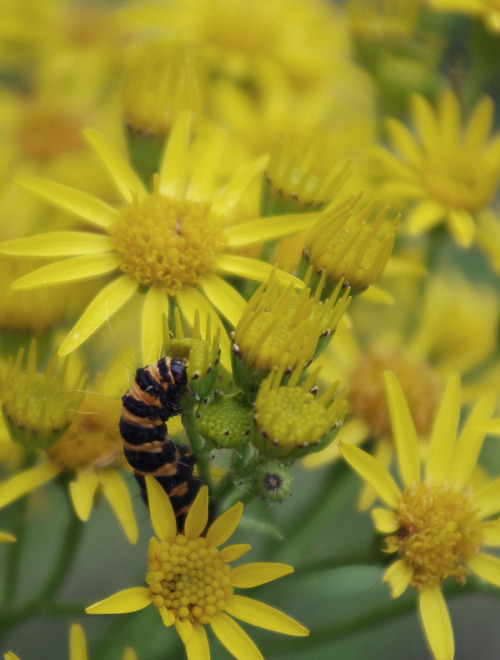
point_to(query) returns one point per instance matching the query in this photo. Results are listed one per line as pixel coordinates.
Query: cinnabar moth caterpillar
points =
(153, 398)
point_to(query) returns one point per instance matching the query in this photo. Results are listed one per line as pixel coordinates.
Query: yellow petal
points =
(82, 492)
(202, 181)
(253, 269)
(470, 442)
(491, 534)
(487, 498)
(479, 125)
(128, 600)
(262, 615)
(404, 141)
(58, 244)
(233, 552)
(436, 622)
(108, 301)
(403, 429)
(173, 168)
(375, 293)
(462, 226)
(167, 617)
(225, 203)
(118, 495)
(161, 511)
(154, 309)
(69, 270)
(385, 521)
(80, 203)
(253, 575)
(197, 517)
(222, 528)
(224, 297)
(486, 566)
(444, 433)
(5, 537)
(128, 654)
(424, 216)
(77, 643)
(234, 638)
(184, 630)
(26, 481)
(11, 656)
(384, 453)
(269, 229)
(373, 473)
(197, 648)
(425, 122)
(399, 576)
(123, 175)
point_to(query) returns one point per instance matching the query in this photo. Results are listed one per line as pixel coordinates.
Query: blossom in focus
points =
(434, 522)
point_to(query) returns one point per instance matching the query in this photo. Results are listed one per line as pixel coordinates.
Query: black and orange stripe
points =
(153, 398)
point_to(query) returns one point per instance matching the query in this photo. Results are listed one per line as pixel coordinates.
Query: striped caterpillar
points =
(153, 398)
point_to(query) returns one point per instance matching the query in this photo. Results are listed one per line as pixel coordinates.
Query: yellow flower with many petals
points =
(89, 451)
(207, 592)
(434, 522)
(170, 243)
(455, 332)
(449, 173)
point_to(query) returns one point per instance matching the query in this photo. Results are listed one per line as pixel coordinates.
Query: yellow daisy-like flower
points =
(91, 451)
(448, 172)
(456, 332)
(191, 583)
(435, 523)
(78, 647)
(170, 243)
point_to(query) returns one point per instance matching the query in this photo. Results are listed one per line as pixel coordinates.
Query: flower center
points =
(366, 397)
(188, 578)
(461, 180)
(89, 442)
(167, 242)
(439, 531)
(291, 417)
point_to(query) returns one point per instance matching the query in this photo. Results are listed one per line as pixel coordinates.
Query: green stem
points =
(42, 601)
(197, 445)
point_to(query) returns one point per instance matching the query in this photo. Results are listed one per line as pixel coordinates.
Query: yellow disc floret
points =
(188, 578)
(168, 243)
(439, 531)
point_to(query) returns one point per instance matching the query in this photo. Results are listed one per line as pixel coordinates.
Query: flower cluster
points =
(248, 250)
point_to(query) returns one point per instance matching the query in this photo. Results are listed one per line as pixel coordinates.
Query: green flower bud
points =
(272, 482)
(225, 419)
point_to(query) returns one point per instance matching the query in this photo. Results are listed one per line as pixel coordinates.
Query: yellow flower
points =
(90, 451)
(168, 243)
(78, 647)
(449, 173)
(456, 332)
(206, 595)
(435, 522)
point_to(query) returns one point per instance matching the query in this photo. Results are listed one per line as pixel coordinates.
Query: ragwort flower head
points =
(168, 243)
(448, 172)
(434, 522)
(88, 452)
(192, 585)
